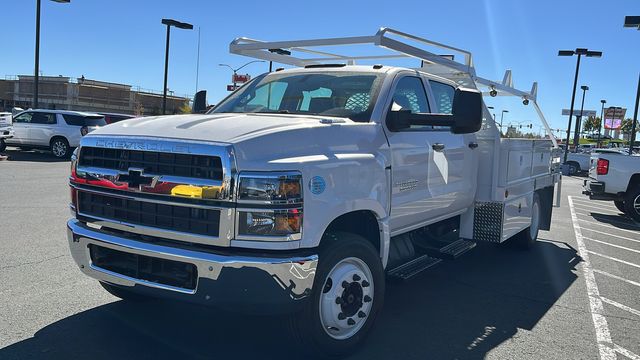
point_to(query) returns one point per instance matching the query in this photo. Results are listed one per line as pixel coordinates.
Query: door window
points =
(23, 118)
(443, 94)
(410, 95)
(43, 118)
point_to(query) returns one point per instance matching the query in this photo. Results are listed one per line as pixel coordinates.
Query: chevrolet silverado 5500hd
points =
(305, 189)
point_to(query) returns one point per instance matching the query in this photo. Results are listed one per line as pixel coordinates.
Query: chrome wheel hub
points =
(59, 148)
(347, 298)
(636, 204)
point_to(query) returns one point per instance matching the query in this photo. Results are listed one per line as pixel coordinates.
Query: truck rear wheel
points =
(347, 295)
(619, 205)
(632, 203)
(3, 145)
(528, 237)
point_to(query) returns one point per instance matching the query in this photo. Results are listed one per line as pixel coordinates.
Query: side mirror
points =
(466, 115)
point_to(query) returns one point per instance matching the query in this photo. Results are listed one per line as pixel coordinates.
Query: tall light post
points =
(235, 71)
(36, 72)
(502, 118)
(633, 21)
(579, 52)
(179, 25)
(576, 135)
(601, 123)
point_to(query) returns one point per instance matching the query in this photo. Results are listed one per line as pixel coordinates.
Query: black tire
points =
(3, 145)
(123, 293)
(632, 203)
(620, 205)
(307, 326)
(59, 147)
(527, 238)
(574, 168)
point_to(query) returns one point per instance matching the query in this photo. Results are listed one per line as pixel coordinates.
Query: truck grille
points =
(186, 165)
(160, 271)
(137, 212)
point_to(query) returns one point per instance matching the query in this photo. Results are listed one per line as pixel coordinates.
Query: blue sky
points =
(123, 41)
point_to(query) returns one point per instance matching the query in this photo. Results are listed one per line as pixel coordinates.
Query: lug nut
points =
(367, 298)
(339, 301)
(365, 283)
(356, 277)
(341, 316)
(345, 284)
(361, 314)
(351, 322)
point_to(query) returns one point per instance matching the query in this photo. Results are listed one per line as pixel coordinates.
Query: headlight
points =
(271, 188)
(281, 223)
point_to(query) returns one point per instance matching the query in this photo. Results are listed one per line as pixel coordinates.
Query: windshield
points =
(342, 94)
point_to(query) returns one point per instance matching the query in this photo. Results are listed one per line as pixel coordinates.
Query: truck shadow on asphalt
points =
(619, 221)
(14, 154)
(460, 310)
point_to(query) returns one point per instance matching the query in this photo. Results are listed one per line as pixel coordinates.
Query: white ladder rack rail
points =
(269, 51)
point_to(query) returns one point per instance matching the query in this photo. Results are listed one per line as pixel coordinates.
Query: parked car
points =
(111, 118)
(615, 178)
(6, 130)
(57, 130)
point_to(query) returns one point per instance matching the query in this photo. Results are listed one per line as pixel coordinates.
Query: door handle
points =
(437, 147)
(473, 145)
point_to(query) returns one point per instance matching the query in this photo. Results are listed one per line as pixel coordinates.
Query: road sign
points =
(585, 113)
(232, 87)
(239, 78)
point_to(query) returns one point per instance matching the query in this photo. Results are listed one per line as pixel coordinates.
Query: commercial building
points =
(60, 92)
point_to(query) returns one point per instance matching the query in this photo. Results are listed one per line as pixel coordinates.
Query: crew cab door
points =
(20, 128)
(42, 128)
(456, 166)
(412, 149)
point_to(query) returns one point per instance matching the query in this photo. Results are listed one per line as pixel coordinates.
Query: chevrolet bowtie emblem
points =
(134, 178)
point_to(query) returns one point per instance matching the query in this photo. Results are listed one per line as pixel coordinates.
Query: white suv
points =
(57, 130)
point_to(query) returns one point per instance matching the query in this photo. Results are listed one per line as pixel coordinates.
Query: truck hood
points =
(224, 128)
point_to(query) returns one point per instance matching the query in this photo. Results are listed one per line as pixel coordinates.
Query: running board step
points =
(413, 267)
(456, 248)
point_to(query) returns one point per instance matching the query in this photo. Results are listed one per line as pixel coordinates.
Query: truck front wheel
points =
(619, 205)
(347, 295)
(632, 203)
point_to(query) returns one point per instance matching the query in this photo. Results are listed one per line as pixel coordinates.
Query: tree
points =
(185, 108)
(626, 126)
(592, 124)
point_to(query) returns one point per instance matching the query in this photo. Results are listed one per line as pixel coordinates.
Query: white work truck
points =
(305, 189)
(615, 177)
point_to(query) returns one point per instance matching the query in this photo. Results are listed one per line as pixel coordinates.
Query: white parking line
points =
(614, 259)
(615, 246)
(629, 223)
(619, 349)
(593, 202)
(603, 336)
(620, 306)
(609, 226)
(618, 236)
(616, 277)
(596, 207)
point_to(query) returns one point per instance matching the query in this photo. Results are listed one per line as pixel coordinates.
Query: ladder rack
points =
(396, 42)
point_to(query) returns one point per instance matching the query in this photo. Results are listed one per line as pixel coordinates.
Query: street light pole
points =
(179, 25)
(502, 118)
(633, 21)
(601, 123)
(235, 71)
(36, 72)
(576, 135)
(579, 52)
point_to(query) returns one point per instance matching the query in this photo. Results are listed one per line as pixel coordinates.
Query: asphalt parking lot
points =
(576, 295)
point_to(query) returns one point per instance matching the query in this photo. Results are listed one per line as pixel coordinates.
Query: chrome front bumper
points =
(245, 283)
